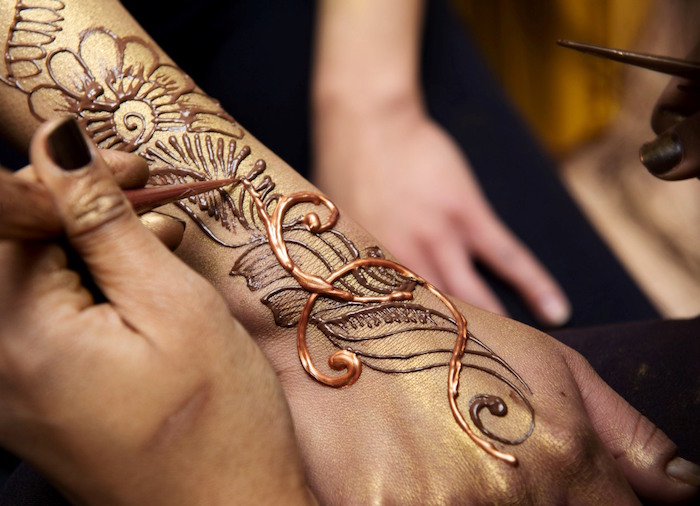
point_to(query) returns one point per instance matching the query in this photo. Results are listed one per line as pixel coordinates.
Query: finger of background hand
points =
(414, 255)
(645, 454)
(458, 276)
(134, 271)
(675, 154)
(679, 100)
(514, 263)
(129, 170)
(167, 229)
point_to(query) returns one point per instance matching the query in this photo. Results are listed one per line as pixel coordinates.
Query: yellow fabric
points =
(567, 97)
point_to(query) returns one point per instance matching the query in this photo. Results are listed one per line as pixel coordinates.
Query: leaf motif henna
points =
(355, 302)
(197, 157)
(32, 28)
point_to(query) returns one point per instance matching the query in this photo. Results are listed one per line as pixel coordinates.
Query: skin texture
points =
(374, 144)
(676, 117)
(178, 399)
(131, 172)
(391, 436)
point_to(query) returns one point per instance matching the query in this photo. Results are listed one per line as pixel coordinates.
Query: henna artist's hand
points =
(675, 153)
(406, 181)
(156, 396)
(131, 171)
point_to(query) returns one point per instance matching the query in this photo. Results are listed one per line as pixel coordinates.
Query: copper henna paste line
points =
(33, 28)
(347, 360)
(127, 99)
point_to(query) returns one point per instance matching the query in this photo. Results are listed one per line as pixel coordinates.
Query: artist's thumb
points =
(646, 456)
(131, 267)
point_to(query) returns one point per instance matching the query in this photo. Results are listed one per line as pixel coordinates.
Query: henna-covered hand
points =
(373, 314)
(423, 381)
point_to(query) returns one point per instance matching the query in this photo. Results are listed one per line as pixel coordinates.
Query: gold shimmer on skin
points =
(372, 311)
(320, 287)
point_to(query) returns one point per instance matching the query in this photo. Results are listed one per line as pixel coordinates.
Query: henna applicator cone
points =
(27, 211)
(145, 199)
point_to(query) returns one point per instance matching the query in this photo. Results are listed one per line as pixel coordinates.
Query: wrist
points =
(372, 97)
(351, 128)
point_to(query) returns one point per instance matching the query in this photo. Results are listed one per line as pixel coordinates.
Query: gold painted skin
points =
(345, 359)
(387, 439)
(16, 196)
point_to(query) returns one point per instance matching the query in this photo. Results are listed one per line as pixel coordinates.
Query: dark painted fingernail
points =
(67, 146)
(662, 154)
(685, 471)
(167, 217)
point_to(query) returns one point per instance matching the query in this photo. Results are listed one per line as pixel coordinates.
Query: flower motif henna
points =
(122, 94)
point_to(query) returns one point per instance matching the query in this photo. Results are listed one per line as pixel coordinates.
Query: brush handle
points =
(664, 64)
(145, 199)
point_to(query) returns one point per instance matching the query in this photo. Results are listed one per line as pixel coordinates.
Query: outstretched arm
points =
(440, 399)
(377, 149)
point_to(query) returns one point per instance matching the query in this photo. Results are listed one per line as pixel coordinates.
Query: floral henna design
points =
(121, 94)
(312, 276)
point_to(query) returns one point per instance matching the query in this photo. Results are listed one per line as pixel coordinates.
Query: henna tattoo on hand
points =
(346, 358)
(372, 311)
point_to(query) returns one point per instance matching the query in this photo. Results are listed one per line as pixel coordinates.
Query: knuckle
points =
(644, 435)
(429, 236)
(96, 203)
(575, 450)
(507, 254)
(511, 489)
(55, 285)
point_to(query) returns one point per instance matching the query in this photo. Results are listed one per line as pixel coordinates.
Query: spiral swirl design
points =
(134, 122)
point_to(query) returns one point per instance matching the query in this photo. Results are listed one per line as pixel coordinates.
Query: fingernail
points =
(169, 229)
(67, 146)
(556, 311)
(685, 471)
(662, 154)
(155, 215)
(670, 117)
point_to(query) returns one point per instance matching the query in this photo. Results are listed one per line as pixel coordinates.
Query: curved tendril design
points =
(348, 361)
